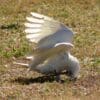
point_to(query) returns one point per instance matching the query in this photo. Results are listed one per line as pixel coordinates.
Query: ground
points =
(83, 16)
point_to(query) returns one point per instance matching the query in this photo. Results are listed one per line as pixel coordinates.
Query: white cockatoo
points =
(53, 41)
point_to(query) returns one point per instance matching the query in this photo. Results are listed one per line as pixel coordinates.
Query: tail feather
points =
(29, 57)
(22, 64)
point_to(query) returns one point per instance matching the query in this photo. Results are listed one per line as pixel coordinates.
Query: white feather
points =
(52, 32)
(33, 40)
(31, 30)
(29, 36)
(64, 44)
(40, 16)
(30, 57)
(22, 64)
(30, 25)
(34, 20)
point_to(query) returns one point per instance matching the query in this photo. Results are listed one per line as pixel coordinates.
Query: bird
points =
(52, 42)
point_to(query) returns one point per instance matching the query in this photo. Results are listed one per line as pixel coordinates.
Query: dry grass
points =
(83, 16)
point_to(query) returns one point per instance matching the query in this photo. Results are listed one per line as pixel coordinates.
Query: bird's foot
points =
(58, 79)
(73, 79)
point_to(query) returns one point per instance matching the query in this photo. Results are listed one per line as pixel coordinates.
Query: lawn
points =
(83, 16)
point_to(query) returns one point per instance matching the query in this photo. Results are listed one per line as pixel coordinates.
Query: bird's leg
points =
(58, 79)
(70, 74)
(73, 78)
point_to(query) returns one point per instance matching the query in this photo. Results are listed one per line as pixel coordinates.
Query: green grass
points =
(83, 16)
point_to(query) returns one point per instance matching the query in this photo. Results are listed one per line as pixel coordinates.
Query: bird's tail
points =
(22, 64)
(29, 57)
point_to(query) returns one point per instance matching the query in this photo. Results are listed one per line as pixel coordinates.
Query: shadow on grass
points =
(42, 79)
(88, 81)
(27, 81)
(10, 26)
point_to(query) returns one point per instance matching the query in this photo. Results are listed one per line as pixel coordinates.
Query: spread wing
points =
(51, 38)
(39, 27)
(45, 32)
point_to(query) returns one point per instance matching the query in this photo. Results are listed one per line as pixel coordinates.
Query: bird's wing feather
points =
(58, 48)
(46, 32)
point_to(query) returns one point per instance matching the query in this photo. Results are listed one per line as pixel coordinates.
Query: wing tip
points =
(37, 15)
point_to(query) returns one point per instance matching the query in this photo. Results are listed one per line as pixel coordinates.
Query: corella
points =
(53, 42)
